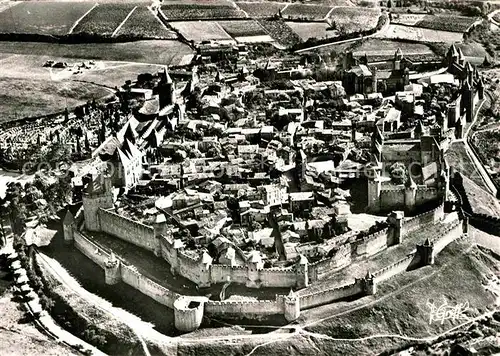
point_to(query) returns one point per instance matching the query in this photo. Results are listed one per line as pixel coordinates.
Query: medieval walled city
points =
(211, 177)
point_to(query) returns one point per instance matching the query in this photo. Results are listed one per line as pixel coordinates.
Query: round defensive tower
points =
(188, 312)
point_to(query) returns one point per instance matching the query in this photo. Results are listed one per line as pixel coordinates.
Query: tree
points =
(398, 173)
(255, 226)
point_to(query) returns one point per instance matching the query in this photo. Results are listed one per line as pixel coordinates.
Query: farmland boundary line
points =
(239, 8)
(123, 22)
(158, 19)
(329, 13)
(81, 18)
(287, 4)
(222, 28)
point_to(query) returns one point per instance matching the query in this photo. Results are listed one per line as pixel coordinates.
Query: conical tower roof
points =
(68, 218)
(453, 50)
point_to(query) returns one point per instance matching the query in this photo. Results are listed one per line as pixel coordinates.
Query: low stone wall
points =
(90, 249)
(162, 295)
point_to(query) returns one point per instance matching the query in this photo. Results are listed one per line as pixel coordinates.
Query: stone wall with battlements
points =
(90, 249)
(244, 308)
(409, 262)
(191, 266)
(340, 259)
(127, 229)
(429, 217)
(148, 287)
(331, 295)
(282, 304)
(450, 235)
(371, 244)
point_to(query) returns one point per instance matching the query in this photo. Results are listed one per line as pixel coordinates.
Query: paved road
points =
(475, 160)
(492, 14)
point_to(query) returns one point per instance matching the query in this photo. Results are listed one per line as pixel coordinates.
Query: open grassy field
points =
(481, 201)
(26, 98)
(104, 19)
(448, 22)
(201, 30)
(261, 9)
(354, 19)
(420, 34)
(144, 24)
(306, 30)
(47, 18)
(155, 52)
(456, 278)
(28, 89)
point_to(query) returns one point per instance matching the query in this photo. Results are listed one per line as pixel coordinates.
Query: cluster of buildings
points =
(270, 172)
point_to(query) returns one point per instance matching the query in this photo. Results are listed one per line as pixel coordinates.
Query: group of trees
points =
(42, 198)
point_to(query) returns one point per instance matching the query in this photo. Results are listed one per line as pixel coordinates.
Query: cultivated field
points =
(46, 18)
(200, 11)
(244, 28)
(407, 19)
(376, 49)
(305, 12)
(307, 30)
(281, 32)
(355, 19)
(201, 30)
(154, 52)
(420, 34)
(261, 9)
(447, 23)
(104, 19)
(144, 24)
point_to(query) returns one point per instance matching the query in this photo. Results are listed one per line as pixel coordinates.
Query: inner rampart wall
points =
(126, 229)
(391, 199)
(340, 259)
(372, 244)
(425, 195)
